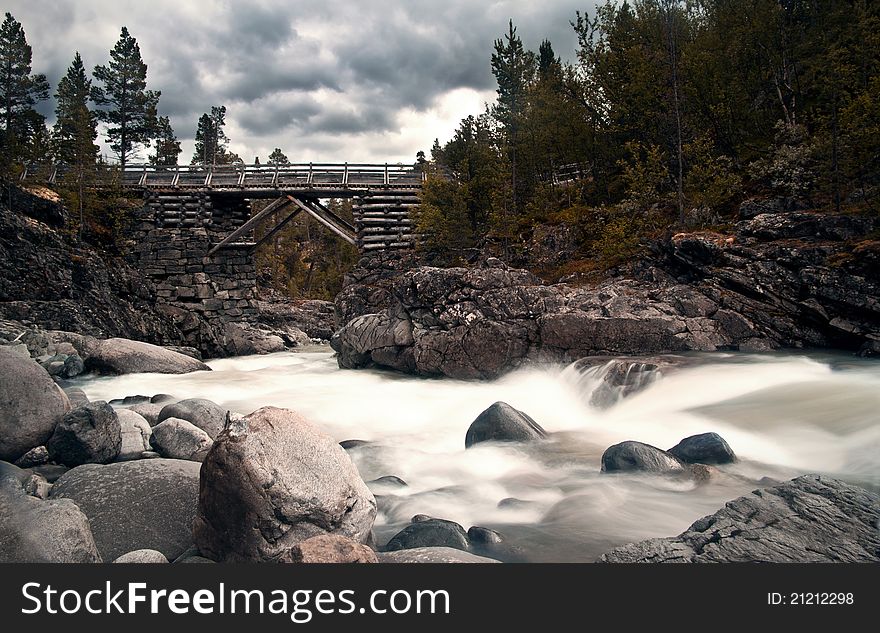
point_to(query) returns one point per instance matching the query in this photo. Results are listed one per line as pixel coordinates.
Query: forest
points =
(670, 115)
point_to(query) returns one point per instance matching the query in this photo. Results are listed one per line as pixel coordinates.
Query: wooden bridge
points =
(324, 179)
(213, 195)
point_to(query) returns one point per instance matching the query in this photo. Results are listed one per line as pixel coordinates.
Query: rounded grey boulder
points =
(37, 531)
(273, 479)
(148, 411)
(705, 448)
(207, 415)
(502, 423)
(90, 434)
(638, 457)
(123, 356)
(142, 504)
(430, 533)
(142, 556)
(31, 404)
(180, 439)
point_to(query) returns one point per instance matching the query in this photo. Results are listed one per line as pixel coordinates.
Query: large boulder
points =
(123, 356)
(180, 439)
(208, 416)
(810, 519)
(143, 504)
(90, 434)
(432, 555)
(135, 432)
(330, 548)
(272, 480)
(705, 448)
(502, 423)
(31, 404)
(430, 533)
(638, 457)
(37, 531)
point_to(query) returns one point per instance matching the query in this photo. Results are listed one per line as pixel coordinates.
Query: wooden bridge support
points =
(383, 221)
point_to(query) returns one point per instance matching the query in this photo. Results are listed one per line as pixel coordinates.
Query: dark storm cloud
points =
(325, 71)
(265, 118)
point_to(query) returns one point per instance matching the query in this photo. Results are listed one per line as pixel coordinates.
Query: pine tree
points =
(277, 157)
(131, 108)
(19, 90)
(167, 145)
(211, 140)
(76, 127)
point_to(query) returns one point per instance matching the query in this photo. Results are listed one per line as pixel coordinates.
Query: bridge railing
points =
(296, 175)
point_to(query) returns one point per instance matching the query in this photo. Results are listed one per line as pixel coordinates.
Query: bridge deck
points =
(322, 178)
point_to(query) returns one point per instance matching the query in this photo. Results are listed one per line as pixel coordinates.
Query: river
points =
(783, 414)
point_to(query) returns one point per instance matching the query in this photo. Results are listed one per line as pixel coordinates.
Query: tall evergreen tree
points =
(19, 90)
(166, 143)
(130, 108)
(76, 127)
(514, 69)
(211, 140)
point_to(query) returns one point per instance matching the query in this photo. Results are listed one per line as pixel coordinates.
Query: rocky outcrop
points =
(803, 279)
(502, 423)
(90, 434)
(314, 317)
(272, 480)
(142, 504)
(50, 279)
(478, 323)
(810, 519)
(780, 280)
(31, 404)
(633, 456)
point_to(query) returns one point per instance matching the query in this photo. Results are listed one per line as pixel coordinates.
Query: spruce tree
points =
(514, 68)
(19, 90)
(211, 140)
(130, 108)
(167, 145)
(76, 127)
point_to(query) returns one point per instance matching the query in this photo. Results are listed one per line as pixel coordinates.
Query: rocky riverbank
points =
(51, 281)
(779, 280)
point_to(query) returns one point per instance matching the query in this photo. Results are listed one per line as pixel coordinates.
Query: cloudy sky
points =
(325, 80)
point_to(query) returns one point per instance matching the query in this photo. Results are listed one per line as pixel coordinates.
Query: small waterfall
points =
(604, 384)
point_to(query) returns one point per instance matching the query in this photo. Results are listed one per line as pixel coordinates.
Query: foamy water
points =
(783, 415)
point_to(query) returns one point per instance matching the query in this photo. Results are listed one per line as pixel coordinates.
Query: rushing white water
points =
(783, 415)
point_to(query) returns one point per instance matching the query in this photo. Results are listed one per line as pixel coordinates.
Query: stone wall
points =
(173, 235)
